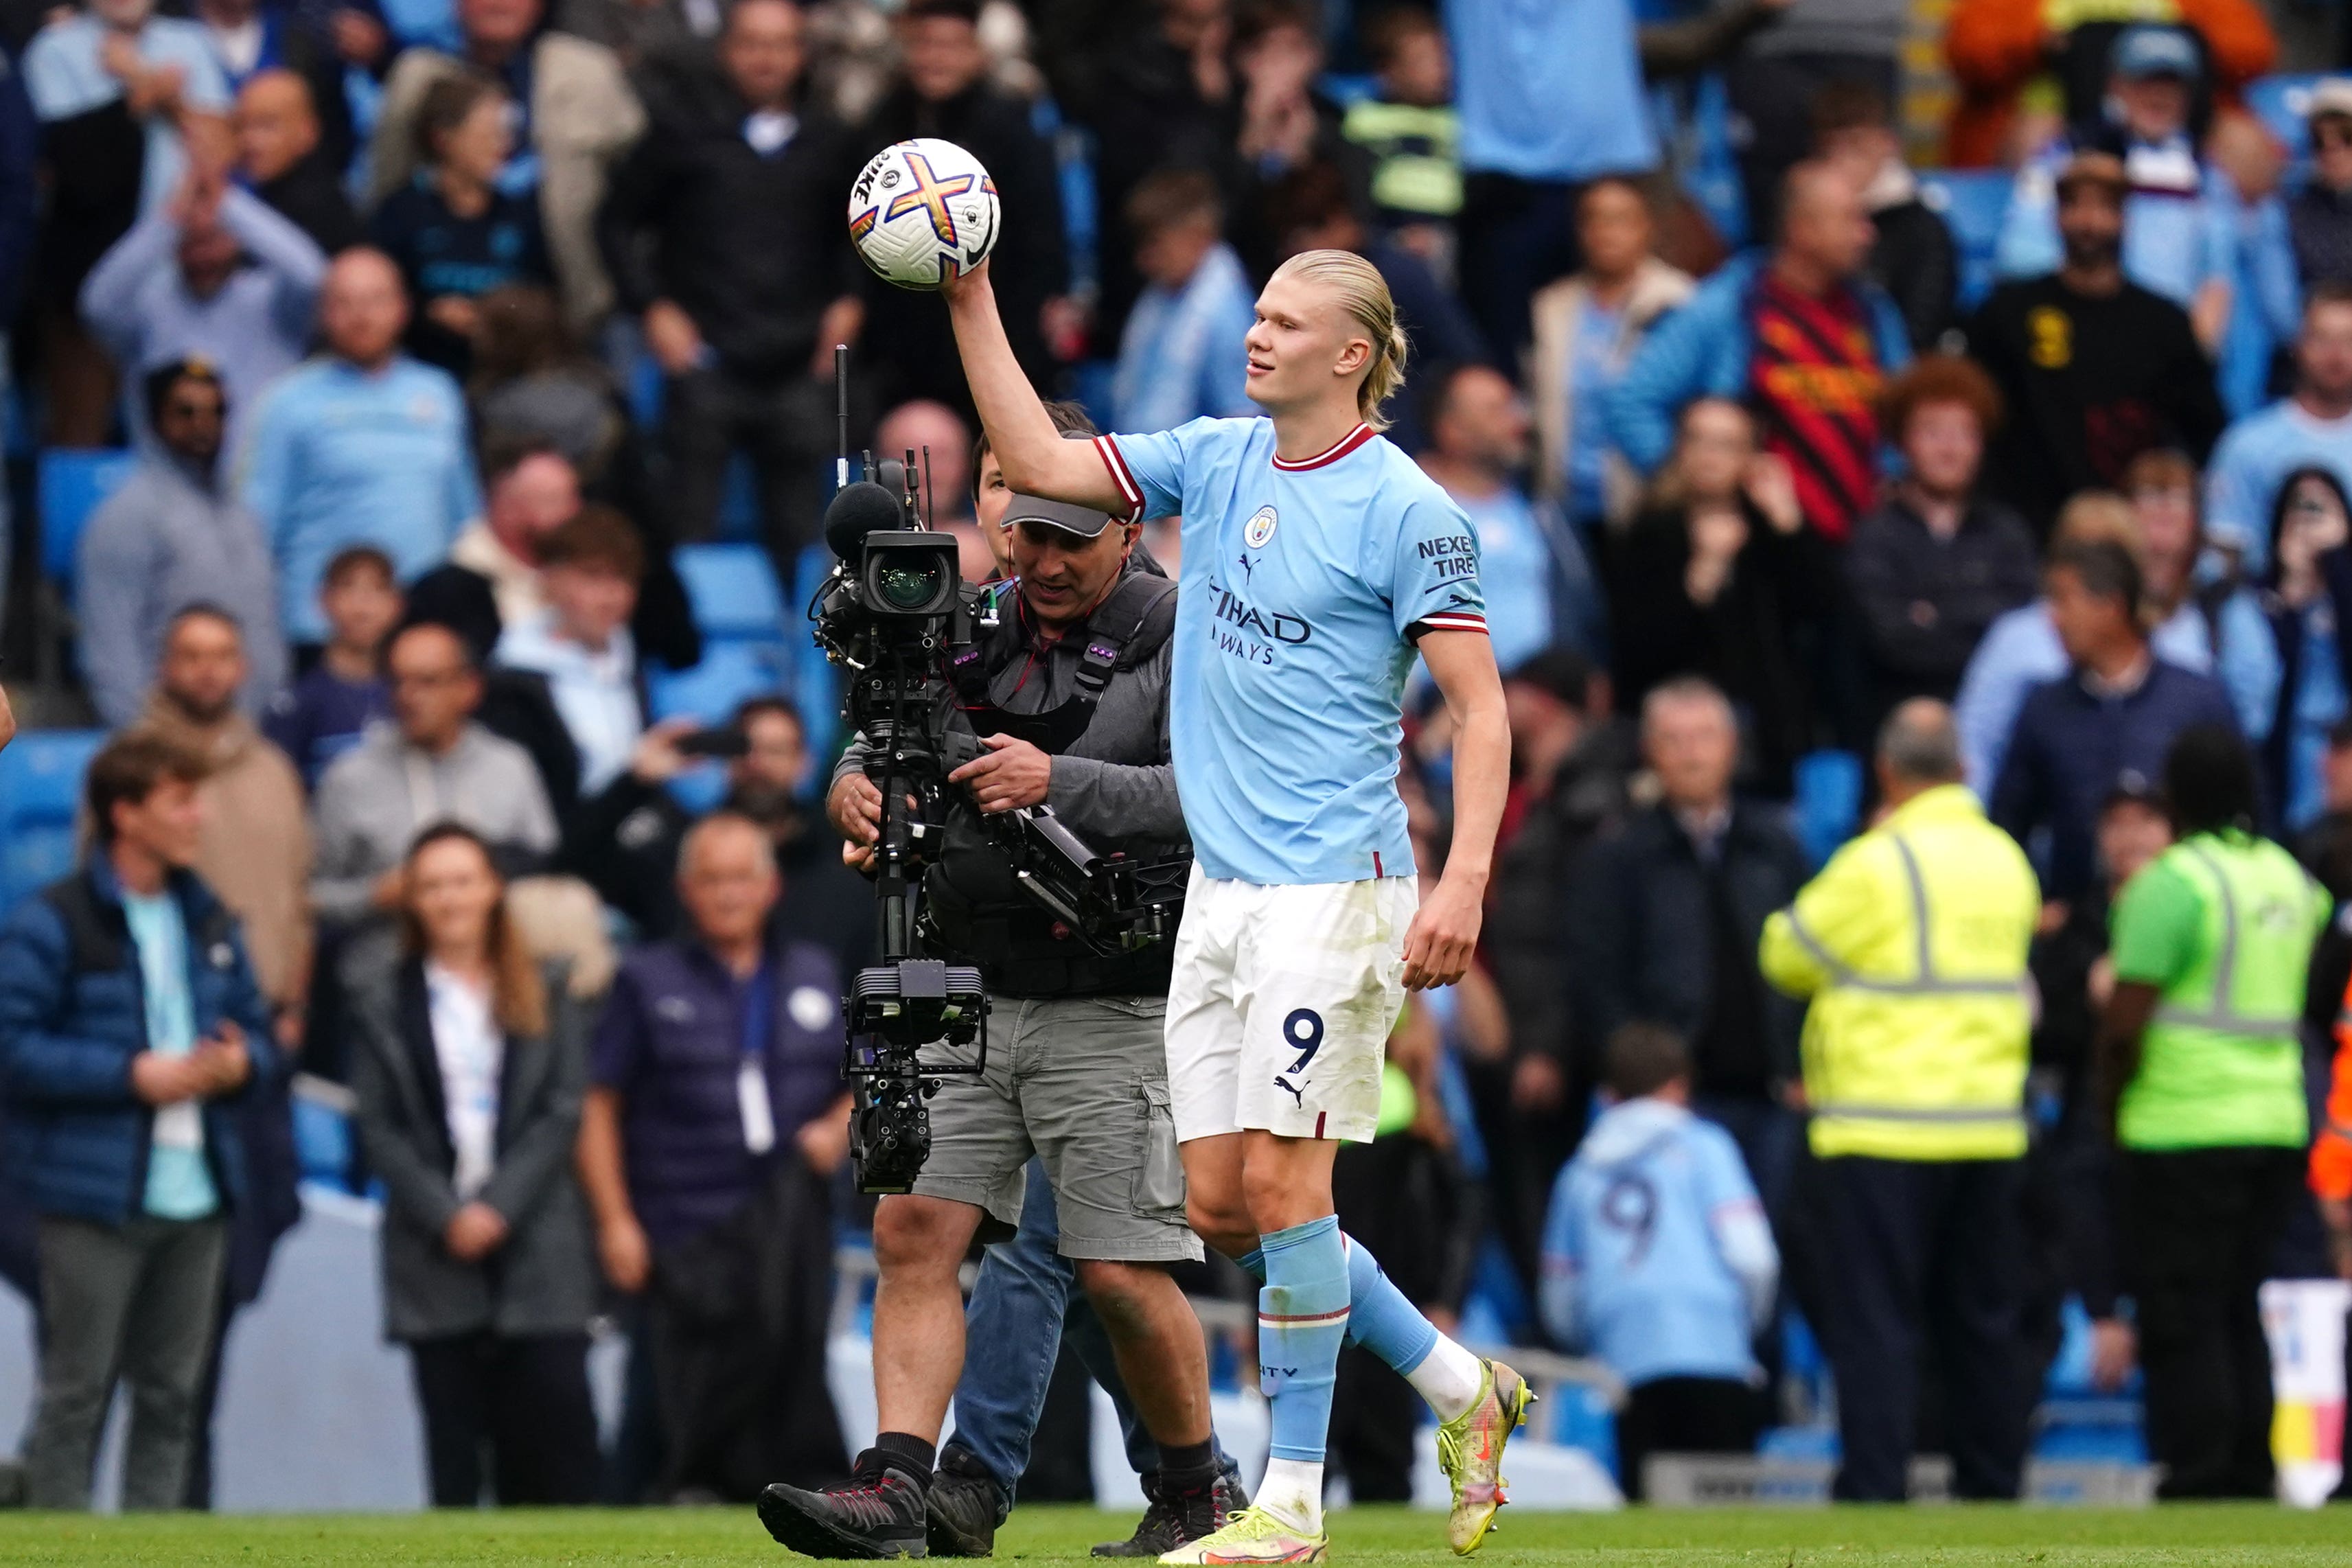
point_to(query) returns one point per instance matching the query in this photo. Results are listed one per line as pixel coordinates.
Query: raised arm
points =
(1035, 459)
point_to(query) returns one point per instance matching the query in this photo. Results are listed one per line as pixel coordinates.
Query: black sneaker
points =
(964, 1508)
(878, 1514)
(1175, 1518)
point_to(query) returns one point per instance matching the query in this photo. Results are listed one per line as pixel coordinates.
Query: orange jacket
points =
(1996, 47)
(2331, 1151)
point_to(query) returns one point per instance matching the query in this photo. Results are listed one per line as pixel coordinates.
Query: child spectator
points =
(321, 715)
(1658, 1258)
(1182, 355)
(1410, 130)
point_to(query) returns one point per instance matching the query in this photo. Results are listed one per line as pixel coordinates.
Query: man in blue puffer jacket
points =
(1799, 335)
(129, 1024)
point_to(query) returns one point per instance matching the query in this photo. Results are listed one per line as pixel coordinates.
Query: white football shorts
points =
(1281, 1004)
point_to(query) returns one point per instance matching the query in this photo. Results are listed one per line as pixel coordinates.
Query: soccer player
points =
(1316, 559)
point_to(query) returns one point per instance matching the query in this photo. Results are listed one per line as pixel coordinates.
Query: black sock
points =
(1188, 1466)
(905, 1451)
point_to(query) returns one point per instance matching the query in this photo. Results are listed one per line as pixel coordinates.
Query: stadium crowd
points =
(440, 336)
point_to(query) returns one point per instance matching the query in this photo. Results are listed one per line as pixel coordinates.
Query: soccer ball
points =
(922, 213)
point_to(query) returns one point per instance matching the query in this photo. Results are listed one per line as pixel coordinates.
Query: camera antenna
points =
(841, 415)
(931, 501)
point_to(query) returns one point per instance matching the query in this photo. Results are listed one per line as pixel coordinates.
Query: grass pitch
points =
(2248, 1535)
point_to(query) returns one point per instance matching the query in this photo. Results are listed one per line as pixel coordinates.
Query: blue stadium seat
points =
(2281, 102)
(711, 690)
(1972, 202)
(41, 790)
(73, 481)
(1829, 802)
(733, 590)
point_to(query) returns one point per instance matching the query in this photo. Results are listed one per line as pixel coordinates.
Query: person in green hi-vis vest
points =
(2202, 1067)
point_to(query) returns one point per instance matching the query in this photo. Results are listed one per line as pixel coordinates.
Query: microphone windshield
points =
(857, 510)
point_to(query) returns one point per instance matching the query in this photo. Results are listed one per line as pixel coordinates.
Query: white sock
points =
(1292, 1491)
(1449, 1377)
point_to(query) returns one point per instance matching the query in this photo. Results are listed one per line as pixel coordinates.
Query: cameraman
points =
(1075, 1072)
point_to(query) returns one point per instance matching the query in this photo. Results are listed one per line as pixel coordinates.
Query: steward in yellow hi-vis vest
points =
(1912, 944)
(1911, 947)
(2201, 1057)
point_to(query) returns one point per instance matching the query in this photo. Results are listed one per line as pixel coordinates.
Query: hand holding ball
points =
(923, 213)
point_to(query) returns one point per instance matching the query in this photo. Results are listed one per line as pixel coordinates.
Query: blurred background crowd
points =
(419, 410)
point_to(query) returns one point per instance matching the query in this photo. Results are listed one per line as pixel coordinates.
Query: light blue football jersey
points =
(1303, 589)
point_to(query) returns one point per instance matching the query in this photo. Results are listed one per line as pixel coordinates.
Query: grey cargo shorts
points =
(1081, 1081)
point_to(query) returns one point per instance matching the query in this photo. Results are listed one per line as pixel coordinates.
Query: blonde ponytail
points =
(1361, 292)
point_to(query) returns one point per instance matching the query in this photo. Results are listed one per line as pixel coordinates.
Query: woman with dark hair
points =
(453, 233)
(1718, 577)
(2309, 517)
(469, 1063)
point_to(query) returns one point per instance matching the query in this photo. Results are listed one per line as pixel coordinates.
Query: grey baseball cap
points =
(1083, 520)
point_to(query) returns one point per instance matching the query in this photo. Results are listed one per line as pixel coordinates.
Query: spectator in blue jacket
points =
(2114, 715)
(131, 1026)
(361, 446)
(1800, 334)
(1658, 1259)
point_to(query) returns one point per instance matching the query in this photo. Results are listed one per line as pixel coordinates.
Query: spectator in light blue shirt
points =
(589, 569)
(161, 68)
(1180, 357)
(361, 445)
(1657, 1258)
(216, 275)
(2311, 427)
(1540, 587)
(2181, 220)
(1550, 96)
(2249, 164)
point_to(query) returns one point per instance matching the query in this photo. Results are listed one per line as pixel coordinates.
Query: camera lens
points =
(911, 585)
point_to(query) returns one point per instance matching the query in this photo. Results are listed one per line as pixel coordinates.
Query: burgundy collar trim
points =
(1331, 454)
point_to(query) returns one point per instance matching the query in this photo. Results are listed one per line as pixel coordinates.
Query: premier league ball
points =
(922, 213)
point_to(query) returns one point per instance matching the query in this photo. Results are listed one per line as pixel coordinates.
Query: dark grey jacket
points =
(542, 1280)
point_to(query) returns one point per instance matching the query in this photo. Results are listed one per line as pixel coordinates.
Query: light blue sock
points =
(1302, 1318)
(1380, 1317)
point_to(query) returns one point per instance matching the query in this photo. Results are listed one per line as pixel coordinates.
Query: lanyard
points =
(759, 1012)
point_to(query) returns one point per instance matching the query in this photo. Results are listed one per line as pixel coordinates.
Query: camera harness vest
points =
(1014, 941)
(1125, 628)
